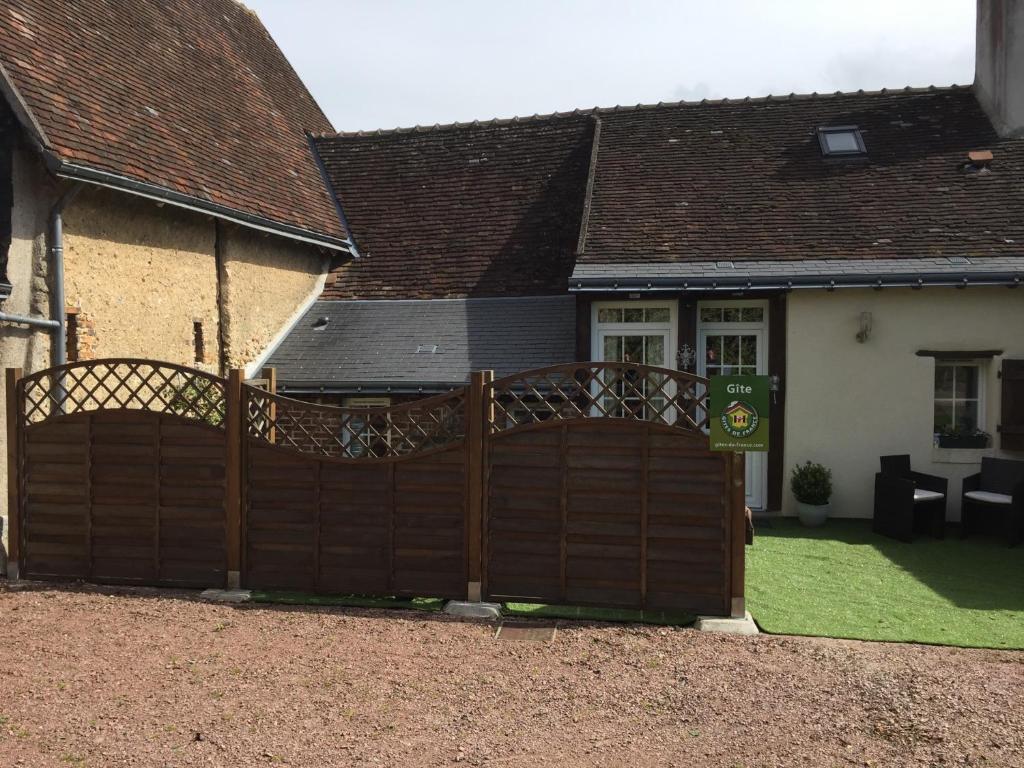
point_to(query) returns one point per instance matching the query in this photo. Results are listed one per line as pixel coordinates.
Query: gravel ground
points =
(98, 678)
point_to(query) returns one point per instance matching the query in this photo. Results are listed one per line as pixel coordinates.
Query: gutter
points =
(159, 194)
(365, 388)
(326, 177)
(674, 284)
(198, 205)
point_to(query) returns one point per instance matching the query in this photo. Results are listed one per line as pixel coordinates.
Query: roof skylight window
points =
(841, 141)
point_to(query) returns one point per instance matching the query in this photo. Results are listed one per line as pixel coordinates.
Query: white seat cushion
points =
(920, 494)
(988, 497)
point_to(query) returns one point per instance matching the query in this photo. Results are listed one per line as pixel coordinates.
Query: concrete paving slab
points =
(468, 610)
(727, 625)
(226, 595)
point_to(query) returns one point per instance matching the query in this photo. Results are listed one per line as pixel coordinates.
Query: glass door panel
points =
(731, 354)
(736, 352)
(632, 394)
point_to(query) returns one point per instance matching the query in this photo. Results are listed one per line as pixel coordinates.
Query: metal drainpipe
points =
(55, 325)
(59, 353)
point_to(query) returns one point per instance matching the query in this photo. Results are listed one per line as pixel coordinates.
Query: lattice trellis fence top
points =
(123, 384)
(355, 433)
(600, 390)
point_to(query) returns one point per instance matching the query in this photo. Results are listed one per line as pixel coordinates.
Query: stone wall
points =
(22, 347)
(139, 277)
(265, 279)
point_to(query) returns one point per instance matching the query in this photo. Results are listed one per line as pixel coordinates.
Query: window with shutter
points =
(1011, 427)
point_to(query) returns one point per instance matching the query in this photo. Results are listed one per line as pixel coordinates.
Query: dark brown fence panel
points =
(124, 496)
(601, 490)
(356, 501)
(123, 472)
(687, 525)
(524, 522)
(55, 499)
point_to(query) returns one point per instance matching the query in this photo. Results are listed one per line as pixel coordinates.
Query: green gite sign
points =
(738, 413)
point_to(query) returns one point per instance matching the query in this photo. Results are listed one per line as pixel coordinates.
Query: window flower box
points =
(954, 440)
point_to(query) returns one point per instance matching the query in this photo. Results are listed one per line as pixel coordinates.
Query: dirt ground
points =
(103, 679)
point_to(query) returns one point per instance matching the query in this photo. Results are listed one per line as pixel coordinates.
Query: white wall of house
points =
(847, 403)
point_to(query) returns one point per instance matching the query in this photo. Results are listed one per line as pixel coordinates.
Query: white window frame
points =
(757, 464)
(671, 326)
(981, 366)
(360, 403)
(761, 304)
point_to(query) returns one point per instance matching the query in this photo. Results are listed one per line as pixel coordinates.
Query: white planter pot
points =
(813, 515)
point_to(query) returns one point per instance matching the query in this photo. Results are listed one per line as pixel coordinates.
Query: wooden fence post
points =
(270, 374)
(738, 534)
(233, 490)
(13, 476)
(474, 481)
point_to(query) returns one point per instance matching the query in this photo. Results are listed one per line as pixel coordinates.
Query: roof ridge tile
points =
(597, 110)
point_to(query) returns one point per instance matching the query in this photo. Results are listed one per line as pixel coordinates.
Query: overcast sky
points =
(387, 63)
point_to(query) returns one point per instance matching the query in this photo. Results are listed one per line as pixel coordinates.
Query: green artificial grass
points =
(842, 580)
(352, 601)
(582, 613)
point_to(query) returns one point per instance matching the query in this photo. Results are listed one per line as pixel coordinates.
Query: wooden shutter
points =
(1011, 427)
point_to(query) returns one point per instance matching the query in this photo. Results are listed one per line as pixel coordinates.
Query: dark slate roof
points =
(372, 345)
(464, 210)
(746, 180)
(191, 100)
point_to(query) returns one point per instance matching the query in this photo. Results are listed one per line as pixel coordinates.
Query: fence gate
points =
(600, 489)
(119, 469)
(355, 501)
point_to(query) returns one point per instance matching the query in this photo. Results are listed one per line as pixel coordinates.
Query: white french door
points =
(732, 341)
(641, 332)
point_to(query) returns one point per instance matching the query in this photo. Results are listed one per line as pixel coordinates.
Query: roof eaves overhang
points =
(22, 112)
(763, 283)
(71, 171)
(298, 387)
(159, 194)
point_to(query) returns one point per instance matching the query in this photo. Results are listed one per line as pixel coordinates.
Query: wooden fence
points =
(118, 471)
(589, 483)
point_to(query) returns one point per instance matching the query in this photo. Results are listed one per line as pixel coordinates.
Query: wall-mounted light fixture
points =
(865, 327)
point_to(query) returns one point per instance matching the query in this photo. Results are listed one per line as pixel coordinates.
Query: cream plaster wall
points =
(849, 403)
(141, 274)
(265, 279)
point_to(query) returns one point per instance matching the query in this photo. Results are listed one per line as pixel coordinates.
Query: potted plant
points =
(957, 437)
(812, 487)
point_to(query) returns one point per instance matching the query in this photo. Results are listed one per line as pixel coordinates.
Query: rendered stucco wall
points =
(21, 347)
(141, 275)
(265, 280)
(849, 403)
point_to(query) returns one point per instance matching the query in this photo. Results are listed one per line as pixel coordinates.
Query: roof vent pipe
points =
(978, 160)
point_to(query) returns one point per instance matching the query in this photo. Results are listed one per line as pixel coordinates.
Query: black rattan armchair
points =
(993, 499)
(908, 502)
